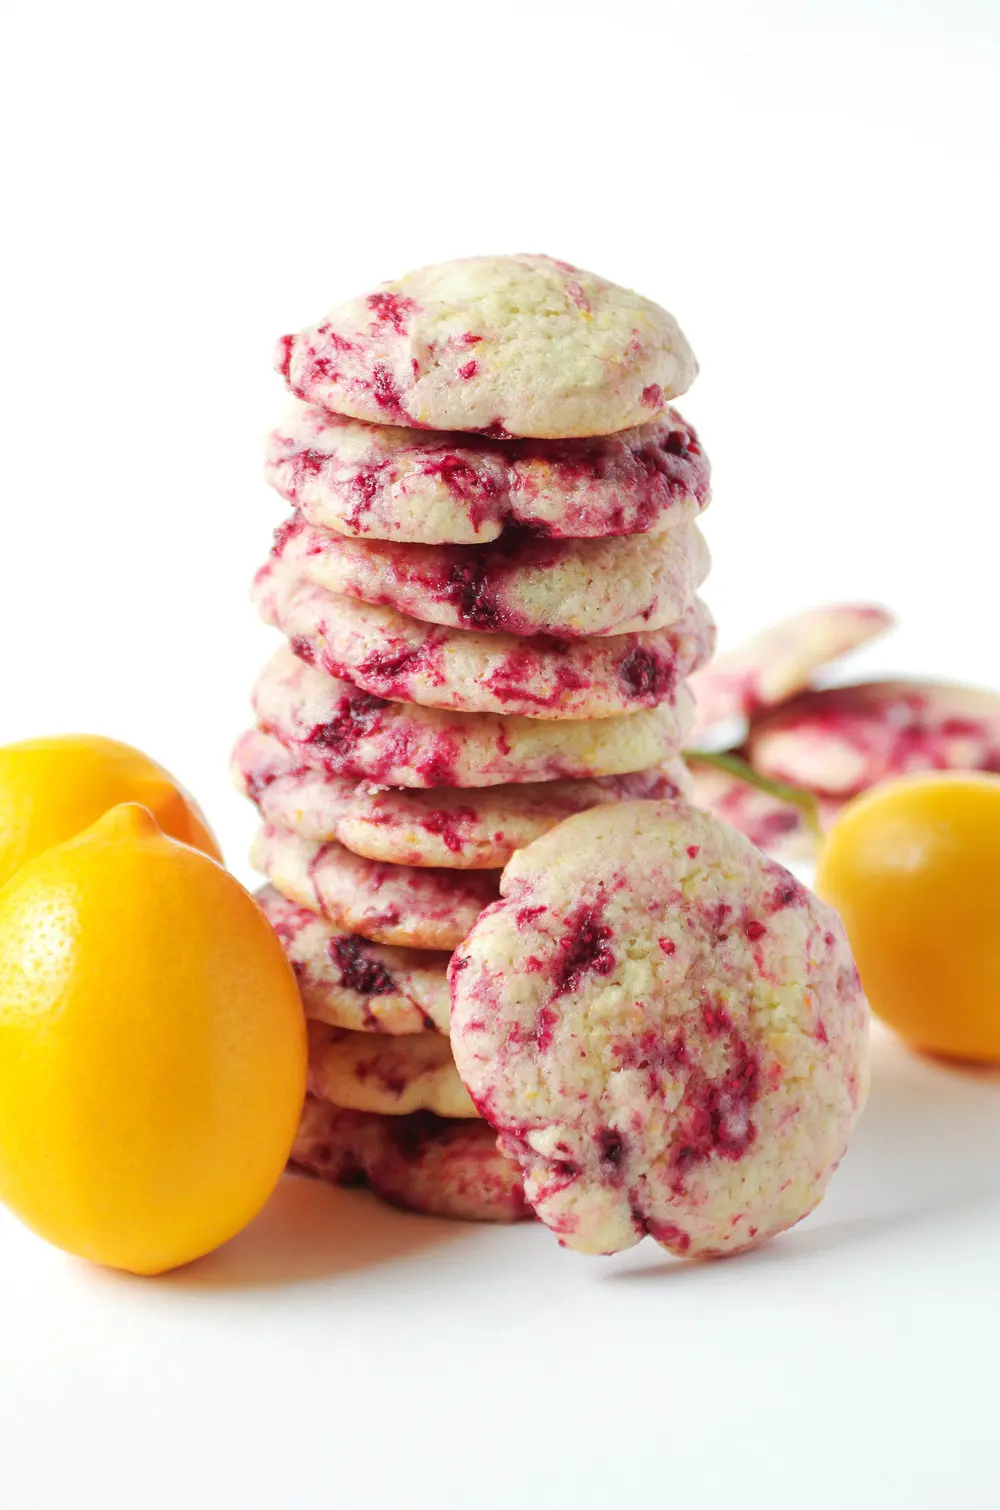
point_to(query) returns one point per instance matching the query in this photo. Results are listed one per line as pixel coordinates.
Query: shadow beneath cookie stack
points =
(312, 1231)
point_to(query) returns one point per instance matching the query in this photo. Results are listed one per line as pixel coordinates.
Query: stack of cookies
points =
(488, 593)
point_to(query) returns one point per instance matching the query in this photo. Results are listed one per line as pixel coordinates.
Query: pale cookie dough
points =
(666, 1030)
(782, 661)
(368, 1072)
(382, 482)
(445, 826)
(521, 345)
(349, 982)
(844, 739)
(391, 656)
(524, 585)
(421, 1162)
(389, 904)
(332, 726)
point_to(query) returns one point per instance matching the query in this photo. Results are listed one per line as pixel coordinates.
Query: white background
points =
(812, 188)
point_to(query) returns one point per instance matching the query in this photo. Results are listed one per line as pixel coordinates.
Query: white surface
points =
(812, 189)
(342, 1353)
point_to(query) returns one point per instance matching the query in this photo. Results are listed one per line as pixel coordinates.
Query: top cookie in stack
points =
(489, 590)
(503, 346)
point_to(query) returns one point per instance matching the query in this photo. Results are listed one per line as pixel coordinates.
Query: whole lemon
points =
(52, 789)
(152, 1048)
(913, 868)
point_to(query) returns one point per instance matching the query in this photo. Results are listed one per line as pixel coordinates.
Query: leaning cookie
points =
(523, 585)
(842, 740)
(456, 829)
(522, 345)
(381, 482)
(666, 1030)
(782, 661)
(389, 904)
(421, 1162)
(349, 982)
(367, 1072)
(392, 656)
(331, 725)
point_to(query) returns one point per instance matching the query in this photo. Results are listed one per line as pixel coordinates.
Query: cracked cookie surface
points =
(382, 482)
(389, 904)
(421, 1162)
(389, 655)
(474, 828)
(523, 585)
(842, 740)
(349, 982)
(666, 1030)
(367, 1072)
(332, 725)
(513, 346)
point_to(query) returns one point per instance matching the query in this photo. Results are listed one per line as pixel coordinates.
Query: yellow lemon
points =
(52, 789)
(152, 1048)
(913, 868)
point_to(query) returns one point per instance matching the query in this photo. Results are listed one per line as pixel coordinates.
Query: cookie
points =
(383, 482)
(520, 345)
(523, 585)
(330, 725)
(389, 904)
(421, 1162)
(782, 661)
(666, 1030)
(330, 1142)
(449, 827)
(391, 656)
(842, 740)
(349, 982)
(369, 1072)
(778, 827)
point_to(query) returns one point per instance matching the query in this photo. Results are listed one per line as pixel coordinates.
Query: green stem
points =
(736, 766)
